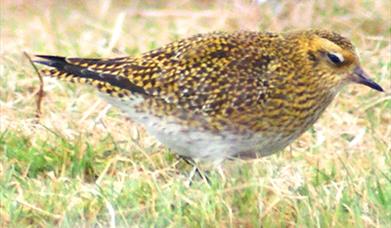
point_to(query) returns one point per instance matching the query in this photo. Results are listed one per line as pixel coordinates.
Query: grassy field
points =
(82, 163)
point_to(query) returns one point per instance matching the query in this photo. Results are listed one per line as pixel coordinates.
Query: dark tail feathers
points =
(61, 64)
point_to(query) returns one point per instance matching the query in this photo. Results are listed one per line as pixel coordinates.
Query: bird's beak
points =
(359, 76)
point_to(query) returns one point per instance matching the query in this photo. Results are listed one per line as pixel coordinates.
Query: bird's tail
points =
(104, 74)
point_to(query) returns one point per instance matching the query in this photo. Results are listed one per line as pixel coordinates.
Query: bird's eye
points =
(335, 58)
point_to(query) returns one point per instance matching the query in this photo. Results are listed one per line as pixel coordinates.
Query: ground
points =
(82, 163)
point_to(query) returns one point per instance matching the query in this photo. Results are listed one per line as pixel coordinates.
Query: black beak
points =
(361, 77)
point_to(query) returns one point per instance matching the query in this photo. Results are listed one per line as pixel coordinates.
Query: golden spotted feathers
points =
(244, 76)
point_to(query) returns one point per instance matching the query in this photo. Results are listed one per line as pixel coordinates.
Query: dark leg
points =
(195, 170)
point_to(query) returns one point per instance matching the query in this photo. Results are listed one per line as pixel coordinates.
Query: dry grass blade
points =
(39, 210)
(40, 93)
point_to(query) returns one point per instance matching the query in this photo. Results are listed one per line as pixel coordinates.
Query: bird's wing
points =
(215, 73)
(212, 73)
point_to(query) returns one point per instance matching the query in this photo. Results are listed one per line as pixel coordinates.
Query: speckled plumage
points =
(221, 95)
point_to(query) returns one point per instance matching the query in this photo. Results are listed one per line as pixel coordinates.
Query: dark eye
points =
(335, 58)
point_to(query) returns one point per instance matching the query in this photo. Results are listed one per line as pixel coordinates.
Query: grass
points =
(84, 164)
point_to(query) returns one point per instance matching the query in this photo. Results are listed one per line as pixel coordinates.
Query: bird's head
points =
(335, 56)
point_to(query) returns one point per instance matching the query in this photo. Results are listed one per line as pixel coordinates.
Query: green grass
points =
(83, 164)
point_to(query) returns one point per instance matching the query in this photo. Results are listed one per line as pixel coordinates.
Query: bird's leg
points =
(194, 171)
(189, 181)
(204, 176)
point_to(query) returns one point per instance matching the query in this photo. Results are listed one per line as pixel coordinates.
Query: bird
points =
(223, 95)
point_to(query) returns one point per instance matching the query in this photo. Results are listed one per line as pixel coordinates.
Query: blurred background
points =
(83, 163)
(104, 26)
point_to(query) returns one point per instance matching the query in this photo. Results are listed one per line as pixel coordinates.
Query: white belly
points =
(197, 144)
